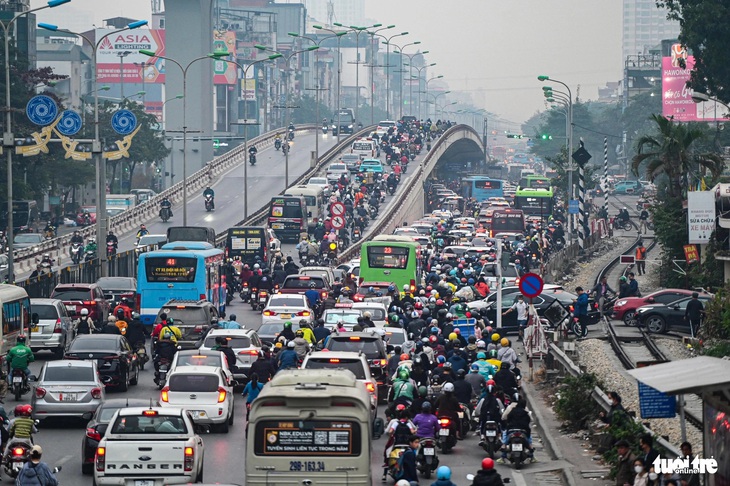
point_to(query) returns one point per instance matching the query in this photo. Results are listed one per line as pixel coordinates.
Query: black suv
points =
(192, 317)
(374, 349)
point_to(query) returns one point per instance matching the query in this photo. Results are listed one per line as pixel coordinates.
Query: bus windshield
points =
(287, 209)
(388, 257)
(170, 269)
(508, 221)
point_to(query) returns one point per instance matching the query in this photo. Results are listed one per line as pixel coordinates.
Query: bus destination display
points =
(170, 269)
(307, 438)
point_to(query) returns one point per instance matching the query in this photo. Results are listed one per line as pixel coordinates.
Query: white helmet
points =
(403, 482)
(256, 266)
(406, 287)
(481, 344)
(449, 387)
(84, 312)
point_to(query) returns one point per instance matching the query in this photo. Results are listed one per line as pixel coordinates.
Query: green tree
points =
(307, 111)
(705, 31)
(670, 152)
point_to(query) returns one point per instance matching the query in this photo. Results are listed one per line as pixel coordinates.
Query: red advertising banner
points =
(119, 53)
(224, 72)
(690, 253)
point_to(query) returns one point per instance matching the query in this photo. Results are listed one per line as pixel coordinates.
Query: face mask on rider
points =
(638, 469)
(653, 476)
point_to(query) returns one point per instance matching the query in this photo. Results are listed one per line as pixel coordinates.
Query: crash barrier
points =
(132, 218)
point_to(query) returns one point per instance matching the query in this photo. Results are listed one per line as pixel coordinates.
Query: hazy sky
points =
(492, 49)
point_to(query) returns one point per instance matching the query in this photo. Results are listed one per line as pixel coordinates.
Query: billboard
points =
(111, 57)
(700, 216)
(224, 72)
(677, 97)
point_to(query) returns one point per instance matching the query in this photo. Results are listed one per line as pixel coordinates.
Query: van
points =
(26, 217)
(365, 148)
(250, 243)
(314, 197)
(313, 422)
(191, 233)
(288, 217)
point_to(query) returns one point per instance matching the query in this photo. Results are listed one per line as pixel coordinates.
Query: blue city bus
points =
(183, 271)
(481, 188)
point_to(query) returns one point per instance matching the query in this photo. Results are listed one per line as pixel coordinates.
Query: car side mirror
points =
(675, 307)
(34, 318)
(650, 299)
(233, 383)
(87, 416)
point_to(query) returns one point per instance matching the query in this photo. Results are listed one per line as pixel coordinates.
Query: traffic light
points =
(515, 135)
(545, 136)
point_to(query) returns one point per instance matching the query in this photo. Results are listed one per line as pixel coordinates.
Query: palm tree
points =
(670, 152)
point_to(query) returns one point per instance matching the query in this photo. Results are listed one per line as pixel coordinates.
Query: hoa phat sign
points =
(700, 216)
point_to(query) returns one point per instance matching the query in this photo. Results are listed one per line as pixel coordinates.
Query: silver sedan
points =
(67, 388)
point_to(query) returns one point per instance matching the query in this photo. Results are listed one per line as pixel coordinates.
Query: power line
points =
(620, 137)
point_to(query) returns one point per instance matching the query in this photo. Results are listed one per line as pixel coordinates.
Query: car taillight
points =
(110, 357)
(357, 298)
(89, 302)
(222, 394)
(96, 393)
(370, 386)
(100, 458)
(413, 285)
(189, 458)
(93, 434)
(303, 313)
(165, 394)
(203, 297)
(40, 392)
(57, 327)
(269, 313)
(324, 295)
(251, 352)
(137, 302)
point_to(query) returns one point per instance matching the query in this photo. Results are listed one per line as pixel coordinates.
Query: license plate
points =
(443, 432)
(491, 433)
(516, 447)
(429, 451)
(34, 329)
(277, 226)
(67, 397)
(71, 308)
(285, 316)
(198, 414)
(17, 379)
(144, 482)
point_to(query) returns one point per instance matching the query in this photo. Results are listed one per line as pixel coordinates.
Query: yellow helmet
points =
(495, 337)
(453, 336)
(504, 342)
(455, 299)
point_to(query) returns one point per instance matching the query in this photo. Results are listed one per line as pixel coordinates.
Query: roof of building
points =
(693, 375)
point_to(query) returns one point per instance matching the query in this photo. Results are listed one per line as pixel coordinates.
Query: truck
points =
(149, 446)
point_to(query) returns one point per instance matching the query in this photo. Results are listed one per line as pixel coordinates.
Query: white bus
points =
(16, 316)
(314, 197)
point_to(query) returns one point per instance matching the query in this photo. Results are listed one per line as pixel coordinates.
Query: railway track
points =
(634, 345)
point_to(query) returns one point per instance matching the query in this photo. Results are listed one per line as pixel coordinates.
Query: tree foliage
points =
(706, 32)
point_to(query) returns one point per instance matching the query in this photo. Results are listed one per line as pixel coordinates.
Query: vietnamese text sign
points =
(655, 404)
(136, 66)
(690, 253)
(700, 216)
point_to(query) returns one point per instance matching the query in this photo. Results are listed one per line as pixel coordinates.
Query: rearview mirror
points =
(34, 318)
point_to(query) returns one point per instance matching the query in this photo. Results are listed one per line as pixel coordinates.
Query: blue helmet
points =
(452, 273)
(441, 359)
(470, 281)
(444, 473)
(474, 367)
(434, 330)
(391, 288)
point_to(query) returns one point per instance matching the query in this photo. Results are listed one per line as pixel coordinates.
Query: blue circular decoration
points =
(124, 122)
(41, 110)
(69, 124)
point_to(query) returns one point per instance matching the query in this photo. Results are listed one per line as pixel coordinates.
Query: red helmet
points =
(457, 330)
(404, 357)
(400, 407)
(491, 383)
(418, 305)
(463, 280)
(429, 288)
(23, 410)
(460, 266)
(433, 339)
(439, 302)
(487, 464)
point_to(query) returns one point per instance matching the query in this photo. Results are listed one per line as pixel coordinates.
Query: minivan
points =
(288, 217)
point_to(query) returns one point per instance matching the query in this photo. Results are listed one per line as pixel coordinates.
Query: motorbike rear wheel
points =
(18, 392)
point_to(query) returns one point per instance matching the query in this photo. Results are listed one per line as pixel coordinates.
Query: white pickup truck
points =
(149, 447)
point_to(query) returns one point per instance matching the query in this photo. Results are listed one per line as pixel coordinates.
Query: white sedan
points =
(336, 170)
(287, 307)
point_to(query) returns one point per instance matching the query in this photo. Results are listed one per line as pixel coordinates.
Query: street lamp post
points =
(387, 72)
(245, 119)
(357, 30)
(570, 143)
(373, 33)
(96, 148)
(122, 55)
(8, 135)
(410, 87)
(184, 70)
(400, 61)
(426, 93)
(339, 35)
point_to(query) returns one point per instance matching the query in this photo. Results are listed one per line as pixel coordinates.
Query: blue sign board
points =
(41, 110)
(655, 404)
(69, 124)
(124, 122)
(573, 206)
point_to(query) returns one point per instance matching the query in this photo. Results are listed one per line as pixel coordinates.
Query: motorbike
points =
(465, 421)
(165, 214)
(161, 375)
(285, 148)
(18, 453)
(209, 205)
(245, 292)
(624, 224)
(76, 250)
(141, 353)
(391, 189)
(252, 158)
(395, 454)
(447, 434)
(277, 143)
(426, 459)
(89, 255)
(46, 267)
(19, 384)
(491, 442)
(290, 135)
(49, 234)
(263, 296)
(372, 211)
(111, 248)
(517, 447)
(324, 129)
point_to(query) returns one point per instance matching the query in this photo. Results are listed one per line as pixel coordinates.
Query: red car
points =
(79, 296)
(81, 218)
(625, 307)
(378, 288)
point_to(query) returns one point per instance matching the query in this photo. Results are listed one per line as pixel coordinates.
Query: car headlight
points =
(349, 126)
(621, 303)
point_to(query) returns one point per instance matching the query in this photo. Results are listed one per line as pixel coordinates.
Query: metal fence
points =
(120, 265)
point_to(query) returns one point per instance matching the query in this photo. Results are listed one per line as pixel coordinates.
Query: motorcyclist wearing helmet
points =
(142, 232)
(21, 428)
(19, 357)
(475, 379)
(210, 192)
(443, 477)
(221, 344)
(426, 422)
(492, 359)
(125, 307)
(487, 475)
(506, 354)
(517, 418)
(301, 345)
(166, 330)
(462, 388)
(492, 407)
(447, 405)
(403, 390)
(165, 204)
(288, 357)
(91, 246)
(77, 238)
(287, 333)
(506, 379)
(86, 324)
(121, 322)
(313, 297)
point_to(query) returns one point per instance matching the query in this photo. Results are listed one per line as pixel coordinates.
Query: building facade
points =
(644, 27)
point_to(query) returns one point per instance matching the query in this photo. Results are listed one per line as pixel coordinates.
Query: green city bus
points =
(391, 258)
(535, 202)
(535, 182)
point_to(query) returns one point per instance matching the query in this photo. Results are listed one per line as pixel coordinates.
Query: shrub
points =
(575, 405)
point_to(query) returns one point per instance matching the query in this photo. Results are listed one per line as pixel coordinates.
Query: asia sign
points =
(677, 97)
(700, 216)
(112, 60)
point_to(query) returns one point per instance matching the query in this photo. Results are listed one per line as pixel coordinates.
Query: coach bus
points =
(534, 202)
(187, 272)
(508, 220)
(391, 258)
(481, 188)
(15, 310)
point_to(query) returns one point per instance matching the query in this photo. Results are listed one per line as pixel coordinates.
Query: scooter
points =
(263, 296)
(285, 148)
(76, 250)
(277, 143)
(141, 353)
(395, 454)
(324, 129)
(252, 159)
(426, 459)
(491, 439)
(209, 206)
(290, 135)
(447, 434)
(111, 248)
(517, 447)
(89, 255)
(19, 384)
(465, 421)
(18, 453)
(161, 375)
(165, 214)
(245, 292)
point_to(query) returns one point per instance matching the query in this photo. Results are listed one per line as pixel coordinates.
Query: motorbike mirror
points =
(87, 416)
(32, 378)
(471, 477)
(57, 469)
(34, 318)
